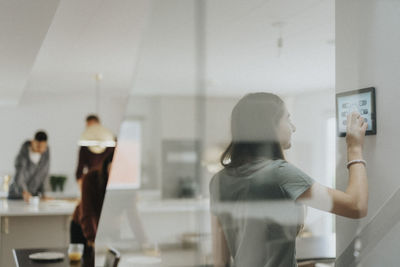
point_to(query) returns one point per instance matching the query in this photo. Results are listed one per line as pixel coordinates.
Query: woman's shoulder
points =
(289, 173)
(247, 169)
(285, 166)
(279, 162)
(216, 180)
(262, 166)
(216, 177)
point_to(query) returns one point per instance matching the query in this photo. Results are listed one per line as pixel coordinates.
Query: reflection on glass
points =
(191, 72)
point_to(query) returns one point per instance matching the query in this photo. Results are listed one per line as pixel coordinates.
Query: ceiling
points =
(149, 47)
(241, 49)
(23, 27)
(89, 37)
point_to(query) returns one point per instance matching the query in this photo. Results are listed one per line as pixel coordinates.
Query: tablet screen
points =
(361, 101)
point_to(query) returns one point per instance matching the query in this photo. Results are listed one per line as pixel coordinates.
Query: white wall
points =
(63, 118)
(174, 118)
(310, 113)
(367, 44)
(310, 151)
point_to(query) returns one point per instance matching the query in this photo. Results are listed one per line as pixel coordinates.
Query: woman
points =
(257, 198)
(87, 214)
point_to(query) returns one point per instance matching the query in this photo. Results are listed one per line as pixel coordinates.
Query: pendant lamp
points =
(97, 137)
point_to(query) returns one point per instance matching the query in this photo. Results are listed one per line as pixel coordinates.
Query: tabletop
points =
(21, 257)
(44, 208)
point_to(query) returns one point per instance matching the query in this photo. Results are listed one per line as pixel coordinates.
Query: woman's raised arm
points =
(353, 202)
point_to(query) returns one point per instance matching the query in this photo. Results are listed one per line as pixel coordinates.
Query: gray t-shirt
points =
(255, 205)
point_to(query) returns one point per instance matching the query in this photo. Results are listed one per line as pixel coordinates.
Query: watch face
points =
(361, 101)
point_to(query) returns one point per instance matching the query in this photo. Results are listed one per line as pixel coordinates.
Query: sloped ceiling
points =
(242, 51)
(149, 46)
(23, 27)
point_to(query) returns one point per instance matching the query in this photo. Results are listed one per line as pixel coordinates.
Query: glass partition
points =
(197, 60)
(248, 132)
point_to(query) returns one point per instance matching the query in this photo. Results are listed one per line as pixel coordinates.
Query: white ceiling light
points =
(96, 136)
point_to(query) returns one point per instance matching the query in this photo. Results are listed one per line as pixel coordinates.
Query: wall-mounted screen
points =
(362, 101)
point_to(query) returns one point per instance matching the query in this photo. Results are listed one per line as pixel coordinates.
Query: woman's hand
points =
(356, 127)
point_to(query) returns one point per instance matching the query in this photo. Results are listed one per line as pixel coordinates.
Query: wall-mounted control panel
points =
(362, 101)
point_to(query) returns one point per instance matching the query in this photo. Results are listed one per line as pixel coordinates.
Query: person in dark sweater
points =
(91, 157)
(89, 160)
(86, 216)
(31, 168)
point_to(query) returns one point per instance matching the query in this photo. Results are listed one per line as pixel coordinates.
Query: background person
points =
(86, 216)
(31, 168)
(91, 157)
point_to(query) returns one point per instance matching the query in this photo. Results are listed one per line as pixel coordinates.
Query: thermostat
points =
(362, 101)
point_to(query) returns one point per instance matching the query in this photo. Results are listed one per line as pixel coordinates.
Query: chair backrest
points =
(112, 258)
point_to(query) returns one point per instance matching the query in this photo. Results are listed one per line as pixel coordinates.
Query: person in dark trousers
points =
(31, 168)
(86, 216)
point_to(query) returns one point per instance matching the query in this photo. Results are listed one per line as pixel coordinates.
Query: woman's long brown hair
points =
(254, 123)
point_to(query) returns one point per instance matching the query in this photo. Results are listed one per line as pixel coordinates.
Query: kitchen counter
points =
(66, 207)
(46, 207)
(47, 225)
(28, 226)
